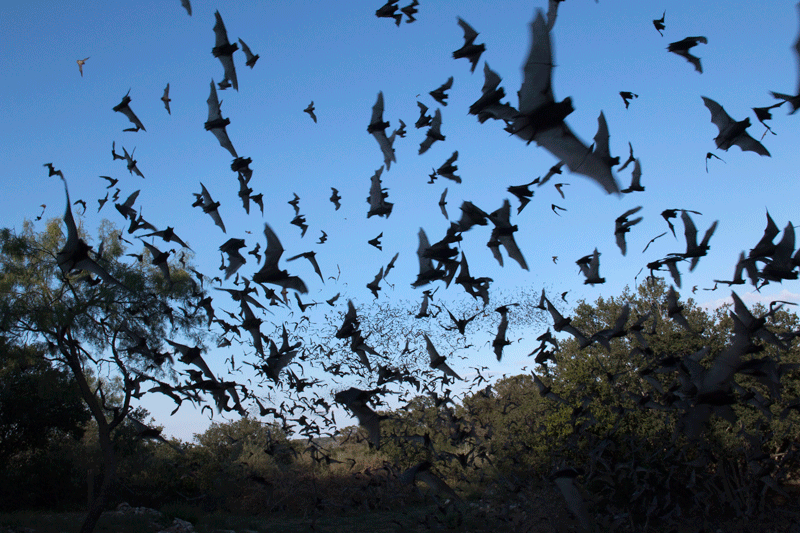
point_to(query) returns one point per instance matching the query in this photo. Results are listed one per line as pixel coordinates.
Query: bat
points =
(295, 203)
(168, 235)
(763, 114)
(374, 285)
(443, 203)
(166, 99)
(488, 105)
(559, 188)
(623, 225)
(590, 267)
(131, 163)
(312, 258)
(504, 233)
(433, 134)
(125, 109)
(732, 132)
(523, 194)
(376, 242)
(437, 361)
(377, 127)
(636, 177)
(541, 118)
(424, 119)
(81, 62)
(249, 56)
(377, 197)
(216, 124)
(448, 168)
(188, 6)
(553, 207)
(682, 49)
(322, 238)
(439, 95)
(224, 50)
(356, 402)
(270, 272)
(111, 181)
(709, 155)
(310, 111)
(300, 222)
(470, 51)
(659, 24)
(693, 250)
(389, 10)
(500, 341)
(235, 258)
(209, 206)
(410, 10)
(671, 213)
(627, 96)
(335, 198)
(160, 260)
(628, 161)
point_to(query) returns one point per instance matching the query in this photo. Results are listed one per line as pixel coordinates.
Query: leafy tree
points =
(82, 323)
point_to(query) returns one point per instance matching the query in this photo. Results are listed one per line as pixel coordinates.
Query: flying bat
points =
(443, 203)
(312, 258)
(376, 242)
(732, 132)
(270, 272)
(433, 134)
(659, 24)
(636, 179)
(682, 49)
(335, 198)
(377, 197)
(590, 267)
(209, 206)
(310, 111)
(160, 260)
(410, 10)
(671, 213)
(424, 119)
(224, 50)
(763, 114)
(623, 225)
(439, 94)
(356, 402)
(125, 109)
(166, 99)
(81, 62)
(504, 233)
(168, 235)
(541, 118)
(523, 194)
(389, 10)
(500, 341)
(470, 51)
(235, 259)
(627, 96)
(693, 250)
(374, 285)
(187, 5)
(216, 124)
(377, 127)
(131, 163)
(488, 105)
(249, 56)
(437, 361)
(448, 168)
(75, 253)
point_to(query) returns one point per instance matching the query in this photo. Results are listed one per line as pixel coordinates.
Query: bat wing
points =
(719, 117)
(386, 147)
(274, 248)
(749, 144)
(552, 13)
(188, 6)
(513, 250)
(536, 89)
(469, 33)
(128, 112)
(579, 158)
(694, 60)
(214, 111)
(377, 110)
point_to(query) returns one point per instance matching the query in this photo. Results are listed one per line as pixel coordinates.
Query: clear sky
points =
(339, 54)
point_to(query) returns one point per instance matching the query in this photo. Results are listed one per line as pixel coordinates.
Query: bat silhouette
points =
(270, 272)
(312, 258)
(627, 96)
(209, 206)
(335, 198)
(559, 188)
(389, 10)
(693, 250)
(623, 225)
(168, 235)
(628, 161)
(295, 203)
(590, 267)
(682, 49)
(81, 62)
(410, 10)
(377, 127)
(259, 199)
(376, 242)
(541, 118)
(794, 101)
(709, 155)
(422, 472)
(443, 203)
(732, 132)
(424, 119)
(390, 265)
(439, 95)
(377, 197)
(166, 99)
(401, 131)
(470, 51)
(75, 253)
(249, 56)
(553, 207)
(667, 214)
(374, 285)
(653, 240)
(111, 181)
(659, 23)
(322, 238)
(437, 361)
(216, 124)
(125, 109)
(235, 259)
(523, 194)
(126, 208)
(160, 260)
(448, 168)
(224, 50)
(433, 134)
(131, 162)
(355, 400)
(310, 111)
(763, 114)
(488, 105)
(500, 341)
(636, 179)
(300, 222)
(188, 6)
(504, 232)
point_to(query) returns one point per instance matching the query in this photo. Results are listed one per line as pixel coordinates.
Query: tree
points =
(83, 323)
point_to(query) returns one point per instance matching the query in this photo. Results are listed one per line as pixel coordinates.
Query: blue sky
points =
(340, 55)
